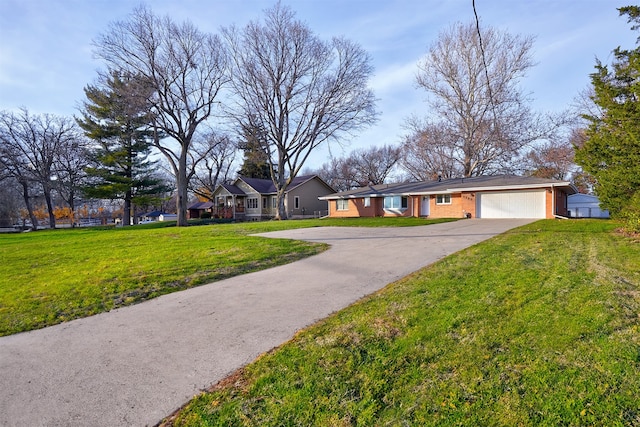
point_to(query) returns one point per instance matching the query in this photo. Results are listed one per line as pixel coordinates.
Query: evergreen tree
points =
(116, 116)
(256, 160)
(611, 152)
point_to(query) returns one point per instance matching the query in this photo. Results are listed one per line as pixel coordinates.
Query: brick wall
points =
(460, 205)
(355, 208)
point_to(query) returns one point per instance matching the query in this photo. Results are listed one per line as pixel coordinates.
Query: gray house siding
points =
(308, 205)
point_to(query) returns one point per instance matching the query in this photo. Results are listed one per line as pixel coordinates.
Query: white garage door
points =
(514, 204)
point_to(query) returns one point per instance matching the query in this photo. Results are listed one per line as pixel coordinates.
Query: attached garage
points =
(511, 204)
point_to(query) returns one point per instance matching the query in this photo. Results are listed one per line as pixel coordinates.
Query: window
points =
(264, 203)
(342, 204)
(274, 202)
(443, 199)
(367, 202)
(252, 203)
(296, 202)
(395, 202)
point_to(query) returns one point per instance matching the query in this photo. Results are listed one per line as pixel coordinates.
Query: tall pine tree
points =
(256, 159)
(611, 152)
(116, 116)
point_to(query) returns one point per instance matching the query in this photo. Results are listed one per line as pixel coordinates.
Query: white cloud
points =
(394, 76)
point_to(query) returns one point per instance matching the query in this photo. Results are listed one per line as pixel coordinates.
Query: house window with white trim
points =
(342, 205)
(274, 202)
(367, 202)
(252, 203)
(264, 203)
(395, 202)
(443, 199)
(296, 202)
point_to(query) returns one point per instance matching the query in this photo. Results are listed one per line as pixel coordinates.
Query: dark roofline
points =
(267, 186)
(454, 185)
(233, 189)
(200, 205)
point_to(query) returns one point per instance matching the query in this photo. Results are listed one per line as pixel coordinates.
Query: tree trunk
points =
(182, 196)
(27, 202)
(47, 198)
(72, 206)
(126, 210)
(282, 209)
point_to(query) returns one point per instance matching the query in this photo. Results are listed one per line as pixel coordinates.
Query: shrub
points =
(631, 215)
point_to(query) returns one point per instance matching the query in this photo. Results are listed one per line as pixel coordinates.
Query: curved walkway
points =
(135, 365)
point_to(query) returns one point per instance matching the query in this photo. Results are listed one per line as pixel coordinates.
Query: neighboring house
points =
(195, 210)
(586, 206)
(150, 216)
(255, 199)
(505, 196)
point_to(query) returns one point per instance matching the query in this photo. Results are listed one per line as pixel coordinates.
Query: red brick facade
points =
(462, 205)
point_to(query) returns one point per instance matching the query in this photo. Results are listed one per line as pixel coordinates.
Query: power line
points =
(484, 61)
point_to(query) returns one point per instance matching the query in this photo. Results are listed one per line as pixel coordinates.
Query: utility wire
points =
(484, 62)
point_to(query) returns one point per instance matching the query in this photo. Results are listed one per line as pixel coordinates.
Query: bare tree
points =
(362, 167)
(185, 68)
(474, 94)
(9, 198)
(70, 164)
(552, 159)
(15, 166)
(429, 152)
(30, 146)
(218, 153)
(338, 174)
(373, 165)
(297, 90)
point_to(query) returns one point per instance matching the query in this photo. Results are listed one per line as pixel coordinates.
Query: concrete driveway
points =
(135, 365)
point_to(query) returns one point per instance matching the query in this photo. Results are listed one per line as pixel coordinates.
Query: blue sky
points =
(46, 55)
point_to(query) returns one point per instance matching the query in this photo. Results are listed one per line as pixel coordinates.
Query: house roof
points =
(583, 200)
(455, 185)
(232, 189)
(152, 214)
(266, 186)
(201, 205)
(584, 197)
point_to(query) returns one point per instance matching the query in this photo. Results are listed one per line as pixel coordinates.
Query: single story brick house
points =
(256, 199)
(503, 196)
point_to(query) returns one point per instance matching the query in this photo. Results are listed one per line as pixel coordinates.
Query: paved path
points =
(135, 365)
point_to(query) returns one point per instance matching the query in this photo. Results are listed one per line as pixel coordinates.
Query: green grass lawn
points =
(51, 276)
(536, 327)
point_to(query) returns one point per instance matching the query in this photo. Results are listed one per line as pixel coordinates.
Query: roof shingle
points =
(447, 185)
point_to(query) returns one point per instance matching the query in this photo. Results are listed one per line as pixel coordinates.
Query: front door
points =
(424, 206)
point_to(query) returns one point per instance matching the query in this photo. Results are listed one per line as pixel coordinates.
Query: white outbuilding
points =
(585, 206)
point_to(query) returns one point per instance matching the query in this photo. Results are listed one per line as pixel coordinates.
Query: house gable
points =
(303, 199)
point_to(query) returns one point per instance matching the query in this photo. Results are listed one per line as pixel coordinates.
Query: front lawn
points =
(536, 327)
(51, 276)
